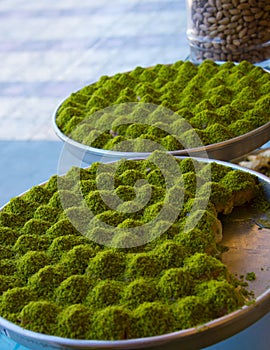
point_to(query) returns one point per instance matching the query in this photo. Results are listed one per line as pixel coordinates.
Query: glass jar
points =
(228, 30)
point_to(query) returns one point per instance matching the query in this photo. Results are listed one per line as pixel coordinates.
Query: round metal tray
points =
(248, 251)
(226, 150)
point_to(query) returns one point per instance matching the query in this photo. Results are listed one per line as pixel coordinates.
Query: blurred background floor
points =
(49, 49)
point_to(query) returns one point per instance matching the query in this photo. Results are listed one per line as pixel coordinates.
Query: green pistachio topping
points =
(110, 252)
(209, 96)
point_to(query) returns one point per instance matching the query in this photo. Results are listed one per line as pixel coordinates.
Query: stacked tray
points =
(219, 110)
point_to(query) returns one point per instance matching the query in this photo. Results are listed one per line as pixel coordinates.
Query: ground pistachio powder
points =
(58, 281)
(132, 106)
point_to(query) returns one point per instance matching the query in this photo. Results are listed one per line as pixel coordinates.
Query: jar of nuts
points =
(229, 30)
